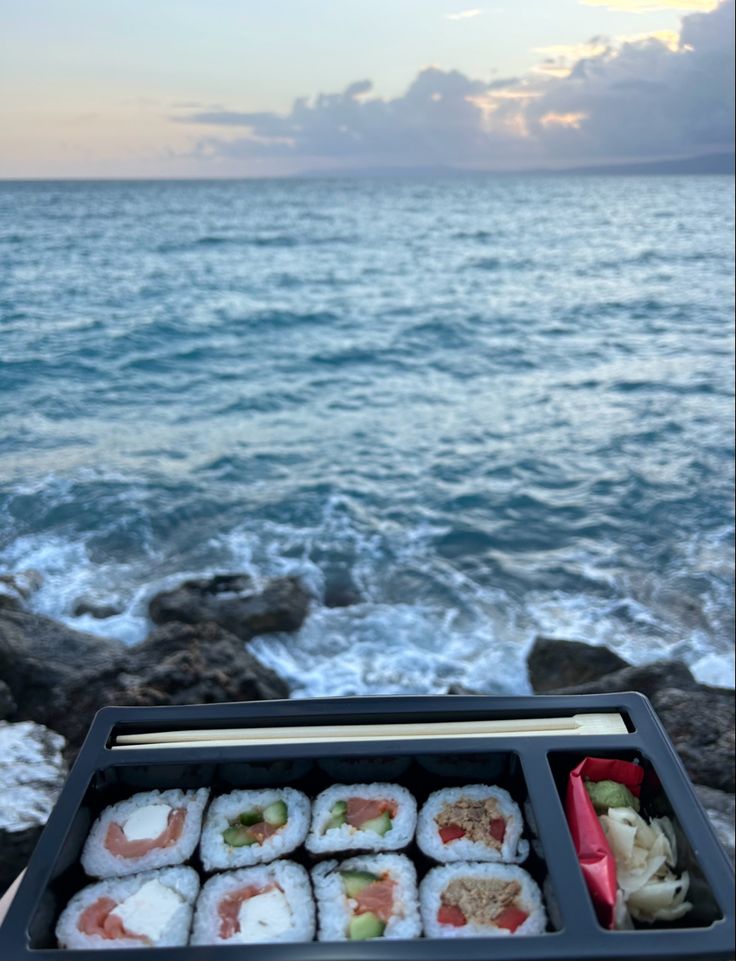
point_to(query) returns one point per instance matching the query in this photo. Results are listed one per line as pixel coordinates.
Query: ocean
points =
(482, 408)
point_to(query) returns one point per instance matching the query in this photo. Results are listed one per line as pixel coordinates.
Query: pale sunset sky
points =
(212, 88)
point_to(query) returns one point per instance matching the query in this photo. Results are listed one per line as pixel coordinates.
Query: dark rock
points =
(554, 664)
(700, 723)
(458, 690)
(7, 704)
(231, 601)
(39, 658)
(176, 664)
(32, 772)
(340, 591)
(8, 602)
(15, 589)
(720, 808)
(647, 679)
(95, 609)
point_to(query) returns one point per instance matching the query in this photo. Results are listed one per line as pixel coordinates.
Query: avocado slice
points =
(238, 836)
(276, 814)
(364, 926)
(355, 881)
(380, 825)
(250, 817)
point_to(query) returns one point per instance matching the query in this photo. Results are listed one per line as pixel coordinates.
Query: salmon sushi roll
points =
(472, 823)
(153, 909)
(362, 817)
(251, 827)
(149, 830)
(480, 901)
(369, 896)
(265, 904)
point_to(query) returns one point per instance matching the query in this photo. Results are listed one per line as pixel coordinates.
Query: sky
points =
(227, 88)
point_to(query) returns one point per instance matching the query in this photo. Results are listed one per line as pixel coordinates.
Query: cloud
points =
(648, 6)
(646, 96)
(464, 14)
(559, 59)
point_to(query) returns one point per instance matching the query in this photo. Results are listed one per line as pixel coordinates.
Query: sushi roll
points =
(252, 827)
(480, 901)
(472, 823)
(370, 896)
(153, 909)
(259, 905)
(362, 817)
(146, 831)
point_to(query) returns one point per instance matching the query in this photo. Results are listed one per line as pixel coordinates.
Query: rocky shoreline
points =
(53, 679)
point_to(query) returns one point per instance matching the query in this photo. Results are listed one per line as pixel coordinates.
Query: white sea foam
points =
(422, 624)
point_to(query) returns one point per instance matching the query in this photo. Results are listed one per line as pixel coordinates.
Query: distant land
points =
(715, 163)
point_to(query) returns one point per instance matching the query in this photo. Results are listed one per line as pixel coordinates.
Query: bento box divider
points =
(577, 915)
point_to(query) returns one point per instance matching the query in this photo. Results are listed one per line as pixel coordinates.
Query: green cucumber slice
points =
(338, 808)
(238, 836)
(355, 881)
(250, 817)
(364, 926)
(380, 825)
(276, 814)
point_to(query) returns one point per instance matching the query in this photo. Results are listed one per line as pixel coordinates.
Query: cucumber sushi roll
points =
(370, 896)
(144, 910)
(259, 905)
(146, 831)
(367, 817)
(472, 823)
(252, 827)
(480, 901)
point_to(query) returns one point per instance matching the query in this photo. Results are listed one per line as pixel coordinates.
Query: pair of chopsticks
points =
(578, 724)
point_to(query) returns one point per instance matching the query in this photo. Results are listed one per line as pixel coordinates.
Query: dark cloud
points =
(646, 99)
(641, 99)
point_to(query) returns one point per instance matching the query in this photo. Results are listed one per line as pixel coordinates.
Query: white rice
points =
(336, 909)
(216, 854)
(347, 838)
(436, 880)
(513, 849)
(184, 881)
(290, 877)
(98, 862)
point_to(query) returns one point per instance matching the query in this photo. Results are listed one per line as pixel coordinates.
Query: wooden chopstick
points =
(578, 724)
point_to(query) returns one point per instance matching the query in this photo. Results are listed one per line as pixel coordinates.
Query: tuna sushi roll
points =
(258, 905)
(251, 827)
(472, 823)
(145, 910)
(149, 830)
(371, 896)
(368, 817)
(480, 901)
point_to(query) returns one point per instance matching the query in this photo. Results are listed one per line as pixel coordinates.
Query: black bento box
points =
(533, 769)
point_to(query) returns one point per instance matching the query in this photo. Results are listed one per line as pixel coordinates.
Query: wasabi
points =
(610, 794)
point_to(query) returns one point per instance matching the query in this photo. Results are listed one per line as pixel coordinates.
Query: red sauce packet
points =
(594, 855)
